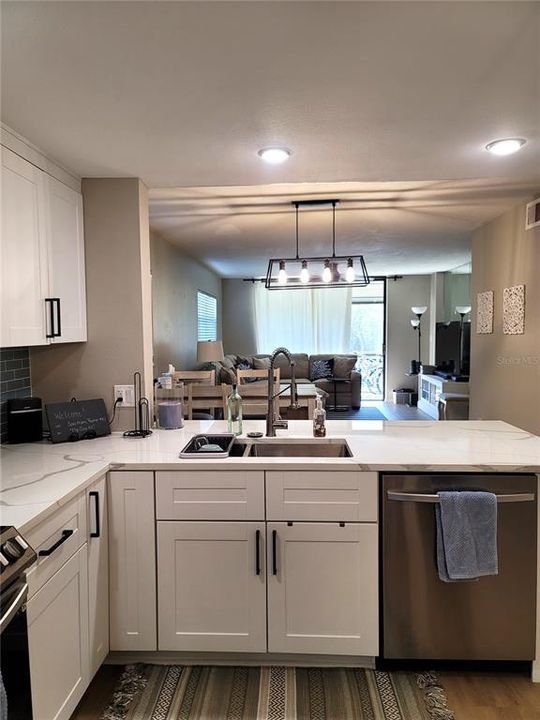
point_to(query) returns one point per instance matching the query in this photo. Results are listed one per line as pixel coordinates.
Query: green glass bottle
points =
(234, 412)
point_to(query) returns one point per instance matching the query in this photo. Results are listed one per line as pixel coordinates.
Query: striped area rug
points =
(173, 692)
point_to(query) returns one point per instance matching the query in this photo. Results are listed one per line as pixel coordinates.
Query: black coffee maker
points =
(24, 420)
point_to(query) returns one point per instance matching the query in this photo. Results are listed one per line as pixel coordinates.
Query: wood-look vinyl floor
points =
(472, 696)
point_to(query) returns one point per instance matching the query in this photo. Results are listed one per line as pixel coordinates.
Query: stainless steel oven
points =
(492, 618)
(15, 557)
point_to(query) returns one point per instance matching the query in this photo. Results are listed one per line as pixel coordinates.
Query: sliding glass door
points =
(368, 336)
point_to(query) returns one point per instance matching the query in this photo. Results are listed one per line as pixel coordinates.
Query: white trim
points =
(25, 149)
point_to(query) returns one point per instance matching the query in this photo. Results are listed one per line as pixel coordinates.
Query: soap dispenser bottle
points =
(234, 412)
(319, 419)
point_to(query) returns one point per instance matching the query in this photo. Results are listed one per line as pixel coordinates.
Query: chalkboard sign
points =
(77, 420)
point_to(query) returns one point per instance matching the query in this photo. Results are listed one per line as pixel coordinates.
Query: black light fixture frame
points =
(362, 278)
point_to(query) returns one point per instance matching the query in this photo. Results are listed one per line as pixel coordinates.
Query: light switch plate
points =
(127, 393)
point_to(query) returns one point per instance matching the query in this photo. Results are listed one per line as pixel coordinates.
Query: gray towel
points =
(466, 535)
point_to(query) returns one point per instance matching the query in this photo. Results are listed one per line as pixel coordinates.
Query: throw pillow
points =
(228, 376)
(321, 369)
(228, 362)
(261, 363)
(343, 366)
(244, 363)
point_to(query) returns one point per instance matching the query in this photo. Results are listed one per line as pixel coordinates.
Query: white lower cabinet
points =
(132, 559)
(58, 640)
(322, 588)
(211, 586)
(98, 574)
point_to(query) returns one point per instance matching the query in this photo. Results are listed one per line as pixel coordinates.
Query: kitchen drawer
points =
(69, 519)
(322, 495)
(200, 495)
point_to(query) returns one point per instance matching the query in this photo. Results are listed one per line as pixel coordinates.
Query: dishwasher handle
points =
(434, 499)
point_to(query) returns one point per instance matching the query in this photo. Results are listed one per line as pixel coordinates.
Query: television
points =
(447, 348)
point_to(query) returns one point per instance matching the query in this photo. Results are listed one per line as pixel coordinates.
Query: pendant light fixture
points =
(320, 272)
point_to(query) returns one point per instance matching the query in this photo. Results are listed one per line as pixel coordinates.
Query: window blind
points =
(206, 316)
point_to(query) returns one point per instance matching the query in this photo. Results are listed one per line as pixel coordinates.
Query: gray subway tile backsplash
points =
(15, 380)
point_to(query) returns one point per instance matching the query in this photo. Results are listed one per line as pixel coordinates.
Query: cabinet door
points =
(23, 257)
(58, 640)
(132, 559)
(322, 588)
(66, 261)
(98, 574)
(212, 589)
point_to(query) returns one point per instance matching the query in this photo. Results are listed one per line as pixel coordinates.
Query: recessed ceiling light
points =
(274, 155)
(506, 146)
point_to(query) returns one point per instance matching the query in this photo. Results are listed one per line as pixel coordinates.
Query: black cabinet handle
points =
(258, 552)
(274, 552)
(95, 495)
(65, 535)
(58, 318)
(54, 322)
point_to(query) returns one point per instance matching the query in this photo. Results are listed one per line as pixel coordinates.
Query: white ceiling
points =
(183, 94)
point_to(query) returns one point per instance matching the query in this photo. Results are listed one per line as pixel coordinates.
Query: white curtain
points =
(311, 321)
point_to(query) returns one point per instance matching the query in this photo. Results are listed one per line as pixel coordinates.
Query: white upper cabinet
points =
(66, 262)
(43, 294)
(23, 253)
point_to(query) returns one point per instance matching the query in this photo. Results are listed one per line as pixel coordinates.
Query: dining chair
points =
(206, 397)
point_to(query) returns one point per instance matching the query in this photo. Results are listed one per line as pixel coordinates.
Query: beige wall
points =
(505, 369)
(118, 303)
(175, 281)
(401, 339)
(238, 317)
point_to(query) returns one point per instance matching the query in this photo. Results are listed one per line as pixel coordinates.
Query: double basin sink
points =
(227, 445)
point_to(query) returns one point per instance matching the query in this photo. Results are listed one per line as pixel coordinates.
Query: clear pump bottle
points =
(234, 412)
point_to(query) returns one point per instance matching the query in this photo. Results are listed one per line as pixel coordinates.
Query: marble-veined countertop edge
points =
(38, 478)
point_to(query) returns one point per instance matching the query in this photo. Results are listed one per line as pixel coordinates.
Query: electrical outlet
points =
(127, 393)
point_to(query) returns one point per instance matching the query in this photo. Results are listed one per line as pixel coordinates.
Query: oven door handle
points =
(434, 499)
(17, 603)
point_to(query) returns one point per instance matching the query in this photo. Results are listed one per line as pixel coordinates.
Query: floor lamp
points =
(461, 310)
(416, 323)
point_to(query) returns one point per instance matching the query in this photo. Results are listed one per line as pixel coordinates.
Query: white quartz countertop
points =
(37, 478)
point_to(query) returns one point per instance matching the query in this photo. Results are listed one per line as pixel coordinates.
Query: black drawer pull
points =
(274, 552)
(95, 495)
(65, 535)
(258, 552)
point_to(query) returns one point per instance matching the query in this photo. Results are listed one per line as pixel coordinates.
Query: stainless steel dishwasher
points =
(493, 618)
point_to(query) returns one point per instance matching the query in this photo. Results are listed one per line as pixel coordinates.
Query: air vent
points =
(532, 215)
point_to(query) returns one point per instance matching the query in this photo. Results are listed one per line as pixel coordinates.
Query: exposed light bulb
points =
(282, 274)
(350, 275)
(327, 273)
(304, 273)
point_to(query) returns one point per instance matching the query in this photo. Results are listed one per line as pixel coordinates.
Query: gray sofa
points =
(349, 389)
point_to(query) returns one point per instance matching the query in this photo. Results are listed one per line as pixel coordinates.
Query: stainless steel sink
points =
(335, 448)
